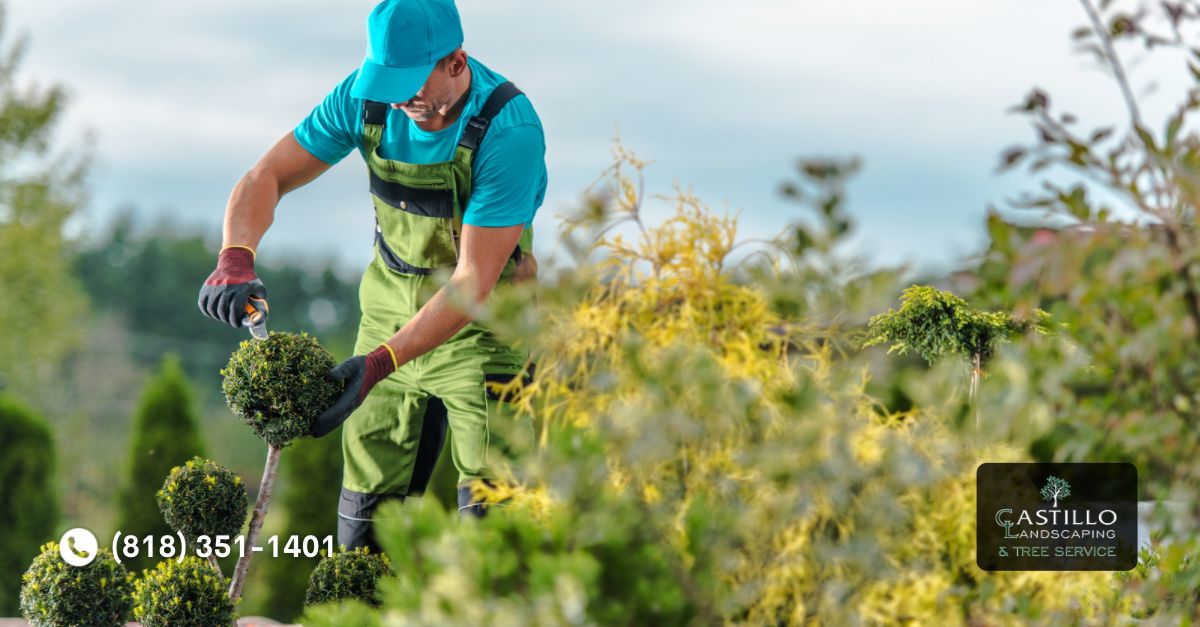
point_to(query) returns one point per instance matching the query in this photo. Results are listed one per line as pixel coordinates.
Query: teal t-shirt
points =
(508, 171)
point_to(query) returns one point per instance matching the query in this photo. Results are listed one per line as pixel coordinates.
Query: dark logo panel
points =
(1056, 516)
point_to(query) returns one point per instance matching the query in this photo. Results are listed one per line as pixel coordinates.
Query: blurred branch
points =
(1111, 54)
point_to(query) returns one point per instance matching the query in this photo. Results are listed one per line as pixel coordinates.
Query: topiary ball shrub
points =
(56, 594)
(189, 593)
(348, 575)
(279, 385)
(203, 498)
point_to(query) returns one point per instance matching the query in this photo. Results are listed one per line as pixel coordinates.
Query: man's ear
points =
(458, 63)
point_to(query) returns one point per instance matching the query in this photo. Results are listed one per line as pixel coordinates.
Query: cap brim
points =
(383, 83)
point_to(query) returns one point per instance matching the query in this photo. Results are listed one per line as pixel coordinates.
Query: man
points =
(455, 157)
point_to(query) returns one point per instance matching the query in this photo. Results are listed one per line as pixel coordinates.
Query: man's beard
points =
(422, 112)
(419, 114)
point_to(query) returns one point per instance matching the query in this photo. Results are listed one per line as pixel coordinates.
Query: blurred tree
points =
(171, 263)
(28, 499)
(1115, 259)
(39, 299)
(165, 435)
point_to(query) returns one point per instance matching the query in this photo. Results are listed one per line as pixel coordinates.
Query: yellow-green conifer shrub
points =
(706, 394)
(203, 498)
(712, 457)
(56, 594)
(187, 593)
(347, 575)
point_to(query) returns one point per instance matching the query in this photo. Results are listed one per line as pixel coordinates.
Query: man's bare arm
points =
(251, 207)
(484, 252)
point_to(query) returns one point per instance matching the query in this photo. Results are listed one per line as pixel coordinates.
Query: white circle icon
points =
(78, 547)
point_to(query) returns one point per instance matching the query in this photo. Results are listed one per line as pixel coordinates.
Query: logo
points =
(1056, 517)
(78, 547)
(1055, 489)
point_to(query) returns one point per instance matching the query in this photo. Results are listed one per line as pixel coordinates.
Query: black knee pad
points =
(356, 510)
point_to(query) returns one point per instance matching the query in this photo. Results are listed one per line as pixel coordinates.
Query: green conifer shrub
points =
(934, 323)
(348, 575)
(28, 500)
(188, 593)
(203, 498)
(56, 594)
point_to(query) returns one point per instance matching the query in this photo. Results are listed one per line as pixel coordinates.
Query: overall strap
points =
(374, 119)
(478, 125)
(473, 134)
(374, 112)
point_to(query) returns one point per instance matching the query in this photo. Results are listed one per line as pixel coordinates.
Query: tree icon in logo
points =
(1055, 489)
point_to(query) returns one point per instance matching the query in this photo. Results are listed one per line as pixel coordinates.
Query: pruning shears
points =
(256, 317)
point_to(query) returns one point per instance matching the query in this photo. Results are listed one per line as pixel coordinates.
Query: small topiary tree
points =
(277, 386)
(56, 594)
(165, 434)
(203, 498)
(348, 575)
(28, 500)
(933, 324)
(187, 593)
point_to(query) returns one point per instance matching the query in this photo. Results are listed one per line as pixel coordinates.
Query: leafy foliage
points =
(279, 385)
(182, 594)
(347, 575)
(165, 435)
(28, 498)
(933, 323)
(203, 498)
(1164, 581)
(562, 567)
(707, 458)
(1115, 259)
(56, 594)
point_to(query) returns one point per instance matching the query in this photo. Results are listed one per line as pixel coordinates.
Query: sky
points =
(181, 98)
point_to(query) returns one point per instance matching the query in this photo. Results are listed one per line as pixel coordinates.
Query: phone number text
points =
(130, 546)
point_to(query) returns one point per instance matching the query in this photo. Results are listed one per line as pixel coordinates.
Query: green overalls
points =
(391, 442)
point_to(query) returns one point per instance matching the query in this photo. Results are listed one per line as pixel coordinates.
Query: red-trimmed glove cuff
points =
(234, 265)
(380, 363)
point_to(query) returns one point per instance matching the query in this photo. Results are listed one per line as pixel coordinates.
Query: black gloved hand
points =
(359, 374)
(225, 292)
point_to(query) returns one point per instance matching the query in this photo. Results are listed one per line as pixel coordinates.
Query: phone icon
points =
(78, 547)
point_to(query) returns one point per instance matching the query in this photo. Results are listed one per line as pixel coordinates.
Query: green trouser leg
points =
(383, 439)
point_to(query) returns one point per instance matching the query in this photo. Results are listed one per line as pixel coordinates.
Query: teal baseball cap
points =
(405, 40)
